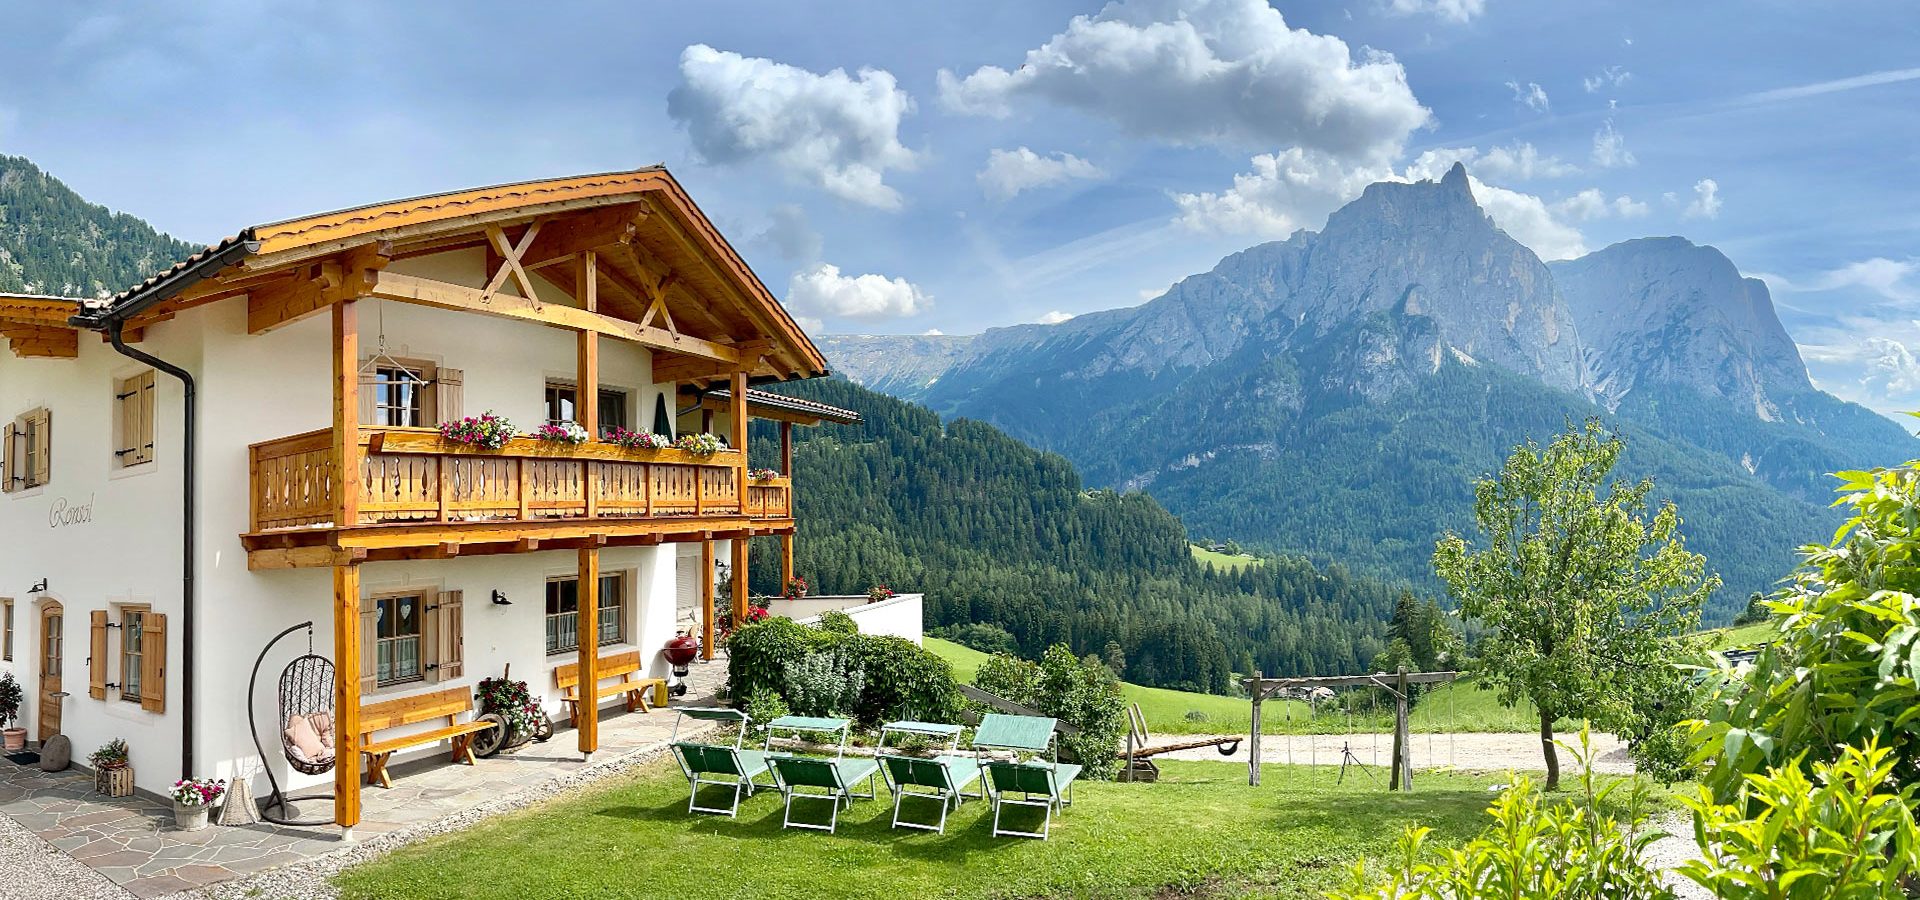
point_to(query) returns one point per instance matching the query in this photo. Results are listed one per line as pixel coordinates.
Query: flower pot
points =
(189, 817)
(14, 738)
(115, 781)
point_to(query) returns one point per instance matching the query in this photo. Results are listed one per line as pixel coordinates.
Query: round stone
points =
(56, 754)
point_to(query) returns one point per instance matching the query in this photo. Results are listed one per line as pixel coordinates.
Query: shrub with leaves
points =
(900, 678)
(827, 683)
(838, 622)
(1841, 670)
(1081, 693)
(762, 707)
(1569, 850)
(1846, 833)
(1010, 678)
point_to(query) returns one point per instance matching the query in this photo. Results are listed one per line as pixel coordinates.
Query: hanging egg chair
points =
(306, 723)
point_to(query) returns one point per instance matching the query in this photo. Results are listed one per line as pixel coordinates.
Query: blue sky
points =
(893, 167)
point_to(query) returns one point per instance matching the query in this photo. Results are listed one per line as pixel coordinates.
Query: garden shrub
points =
(762, 707)
(1010, 678)
(1081, 693)
(758, 655)
(903, 681)
(985, 637)
(899, 678)
(1847, 833)
(1570, 850)
(835, 621)
(827, 683)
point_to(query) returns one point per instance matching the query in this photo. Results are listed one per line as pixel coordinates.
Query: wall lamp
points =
(500, 598)
(40, 588)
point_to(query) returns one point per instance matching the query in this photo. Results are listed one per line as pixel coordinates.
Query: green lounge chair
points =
(717, 764)
(830, 778)
(1040, 783)
(943, 777)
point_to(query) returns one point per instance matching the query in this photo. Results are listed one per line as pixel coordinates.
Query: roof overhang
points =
(768, 405)
(37, 326)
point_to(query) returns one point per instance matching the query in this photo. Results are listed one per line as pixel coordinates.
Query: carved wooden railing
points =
(411, 475)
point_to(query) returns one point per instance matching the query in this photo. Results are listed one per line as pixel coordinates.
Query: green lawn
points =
(1225, 562)
(1200, 831)
(1458, 707)
(1740, 636)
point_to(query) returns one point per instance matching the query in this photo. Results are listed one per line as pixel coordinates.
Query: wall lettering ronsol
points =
(65, 512)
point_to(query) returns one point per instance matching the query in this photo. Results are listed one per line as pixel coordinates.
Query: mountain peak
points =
(1456, 178)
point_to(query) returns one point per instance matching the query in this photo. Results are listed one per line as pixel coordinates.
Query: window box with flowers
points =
(482, 432)
(762, 475)
(563, 433)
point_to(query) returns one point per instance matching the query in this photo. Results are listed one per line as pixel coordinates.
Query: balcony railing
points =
(411, 475)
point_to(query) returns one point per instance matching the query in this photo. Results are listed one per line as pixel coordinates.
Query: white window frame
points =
(422, 597)
(616, 612)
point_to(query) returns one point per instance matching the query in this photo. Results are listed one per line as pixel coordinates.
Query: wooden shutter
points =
(139, 438)
(40, 431)
(369, 380)
(444, 638)
(369, 645)
(449, 388)
(153, 662)
(10, 466)
(97, 654)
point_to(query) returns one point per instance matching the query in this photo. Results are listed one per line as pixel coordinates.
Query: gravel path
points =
(1468, 751)
(1672, 850)
(34, 870)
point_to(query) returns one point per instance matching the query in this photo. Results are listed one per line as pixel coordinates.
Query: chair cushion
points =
(301, 735)
(323, 723)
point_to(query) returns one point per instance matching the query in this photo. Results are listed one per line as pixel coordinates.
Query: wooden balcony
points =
(417, 490)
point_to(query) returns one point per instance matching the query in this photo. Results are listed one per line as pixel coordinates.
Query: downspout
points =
(187, 559)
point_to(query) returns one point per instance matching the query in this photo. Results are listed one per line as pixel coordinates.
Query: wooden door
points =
(51, 617)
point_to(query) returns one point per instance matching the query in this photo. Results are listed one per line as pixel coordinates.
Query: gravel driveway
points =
(1468, 751)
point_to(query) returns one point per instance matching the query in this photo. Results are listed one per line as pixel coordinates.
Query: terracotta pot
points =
(15, 738)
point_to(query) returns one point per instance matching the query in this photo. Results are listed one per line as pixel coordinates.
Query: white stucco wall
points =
(255, 388)
(900, 617)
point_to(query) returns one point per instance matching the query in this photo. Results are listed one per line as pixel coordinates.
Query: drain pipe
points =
(187, 558)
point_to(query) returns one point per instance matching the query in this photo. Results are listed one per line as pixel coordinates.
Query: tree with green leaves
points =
(1580, 586)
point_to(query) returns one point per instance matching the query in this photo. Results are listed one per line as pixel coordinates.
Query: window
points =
(28, 445)
(6, 629)
(560, 406)
(132, 660)
(399, 398)
(408, 393)
(133, 420)
(563, 612)
(399, 629)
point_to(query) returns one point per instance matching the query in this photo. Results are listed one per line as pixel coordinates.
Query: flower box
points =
(533, 448)
(114, 781)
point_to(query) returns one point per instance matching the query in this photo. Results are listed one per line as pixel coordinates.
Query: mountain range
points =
(1336, 393)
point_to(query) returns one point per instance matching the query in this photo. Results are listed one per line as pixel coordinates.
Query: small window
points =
(399, 397)
(613, 409)
(563, 612)
(28, 445)
(398, 638)
(561, 406)
(6, 629)
(559, 403)
(133, 420)
(132, 651)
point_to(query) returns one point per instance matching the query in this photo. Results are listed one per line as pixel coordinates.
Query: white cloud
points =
(1518, 162)
(1295, 189)
(1890, 368)
(1529, 95)
(837, 132)
(1610, 147)
(933, 332)
(1888, 278)
(1871, 79)
(1706, 200)
(1009, 172)
(1592, 203)
(1208, 72)
(823, 291)
(1054, 318)
(1451, 10)
(791, 235)
(1611, 76)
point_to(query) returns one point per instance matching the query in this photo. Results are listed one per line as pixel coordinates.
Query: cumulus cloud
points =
(1226, 72)
(1529, 95)
(1592, 203)
(1518, 162)
(1890, 368)
(822, 291)
(1009, 172)
(838, 132)
(1451, 10)
(1610, 147)
(1296, 189)
(1611, 76)
(791, 235)
(1706, 200)
(1054, 318)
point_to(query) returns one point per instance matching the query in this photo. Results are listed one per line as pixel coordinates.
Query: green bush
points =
(899, 678)
(1081, 693)
(982, 636)
(838, 622)
(1847, 833)
(827, 683)
(758, 655)
(903, 681)
(762, 707)
(1571, 850)
(1010, 678)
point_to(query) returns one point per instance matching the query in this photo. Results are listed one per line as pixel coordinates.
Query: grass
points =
(1225, 562)
(1741, 636)
(1199, 832)
(1455, 707)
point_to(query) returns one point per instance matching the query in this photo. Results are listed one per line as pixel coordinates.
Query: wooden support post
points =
(786, 560)
(786, 449)
(706, 599)
(346, 695)
(1402, 777)
(586, 401)
(739, 543)
(346, 414)
(738, 426)
(587, 620)
(1253, 739)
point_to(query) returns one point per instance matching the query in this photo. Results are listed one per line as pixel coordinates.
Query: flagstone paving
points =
(133, 843)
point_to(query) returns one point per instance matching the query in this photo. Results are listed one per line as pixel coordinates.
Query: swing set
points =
(1396, 685)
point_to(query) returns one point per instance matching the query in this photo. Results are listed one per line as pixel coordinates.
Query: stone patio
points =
(132, 841)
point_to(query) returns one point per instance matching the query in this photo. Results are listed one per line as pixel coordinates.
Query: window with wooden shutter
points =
(445, 636)
(97, 654)
(133, 420)
(449, 387)
(403, 393)
(12, 456)
(6, 628)
(27, 443)
(369, 642)
(153, 662)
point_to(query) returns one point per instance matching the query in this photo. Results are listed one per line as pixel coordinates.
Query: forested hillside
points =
(54, 242)
(995, 531)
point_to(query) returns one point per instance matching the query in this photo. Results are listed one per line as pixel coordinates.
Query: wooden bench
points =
(623, 666)
(449, 704)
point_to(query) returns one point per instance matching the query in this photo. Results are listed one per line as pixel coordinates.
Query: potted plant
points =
(486, 431)
(636, 440)
(878, 593)
(192, 798)
(112, 773)
(796, 588)
(11, 696)
(562, 433)
(702, 444)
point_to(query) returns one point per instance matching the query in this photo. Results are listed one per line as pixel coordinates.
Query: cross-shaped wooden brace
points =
(510, 261)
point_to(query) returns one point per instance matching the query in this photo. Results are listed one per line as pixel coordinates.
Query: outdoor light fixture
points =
(500, 598)
(40, 588)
